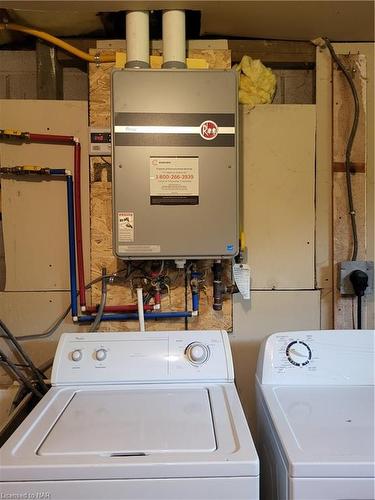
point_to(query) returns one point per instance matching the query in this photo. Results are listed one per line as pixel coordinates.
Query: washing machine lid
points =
(132, 423)
(134, 431)
(324, 431)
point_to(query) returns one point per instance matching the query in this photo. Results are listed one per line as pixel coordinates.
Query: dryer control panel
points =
(130, 357)
(332, 357)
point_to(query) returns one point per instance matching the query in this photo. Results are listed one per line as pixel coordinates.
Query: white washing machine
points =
(136, 416)
(316, 415)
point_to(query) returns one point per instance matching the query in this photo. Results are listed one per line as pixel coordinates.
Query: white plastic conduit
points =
(174, 39)
(141, 315)
(137, 39)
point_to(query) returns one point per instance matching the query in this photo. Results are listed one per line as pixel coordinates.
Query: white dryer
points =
(136, 416)
(316, 415)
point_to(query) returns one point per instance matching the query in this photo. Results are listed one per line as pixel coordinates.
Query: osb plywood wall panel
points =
(343, 112)
(101, 224)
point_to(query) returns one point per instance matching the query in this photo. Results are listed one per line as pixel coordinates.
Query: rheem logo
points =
(209, 130)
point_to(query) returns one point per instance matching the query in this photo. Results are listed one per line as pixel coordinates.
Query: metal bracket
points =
(346, 267)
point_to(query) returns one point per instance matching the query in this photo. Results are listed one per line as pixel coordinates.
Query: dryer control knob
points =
(101, 354)
(197, 353)
(76, 355)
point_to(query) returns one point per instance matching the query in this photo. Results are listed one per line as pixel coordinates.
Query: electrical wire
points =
(105, 161)
(349, 145)
(103, 299)
(359, 312)
(8, 334)
(4, 360)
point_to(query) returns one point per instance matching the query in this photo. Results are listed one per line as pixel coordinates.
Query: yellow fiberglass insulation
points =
(257, 84)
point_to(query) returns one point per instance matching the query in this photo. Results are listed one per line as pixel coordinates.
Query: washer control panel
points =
(318, 357)
(128, 357)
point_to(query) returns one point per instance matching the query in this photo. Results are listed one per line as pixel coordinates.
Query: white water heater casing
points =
(175, 164)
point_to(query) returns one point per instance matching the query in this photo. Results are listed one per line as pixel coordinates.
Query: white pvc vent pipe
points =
(174, 39)
(137, 39)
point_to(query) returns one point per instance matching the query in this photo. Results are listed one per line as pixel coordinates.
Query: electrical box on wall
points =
(175, 164)
(100, 141)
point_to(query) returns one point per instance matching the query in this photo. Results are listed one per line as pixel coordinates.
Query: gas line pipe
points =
(97, 58)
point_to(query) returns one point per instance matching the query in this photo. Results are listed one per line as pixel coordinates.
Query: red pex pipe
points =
(78, 214)
(52, 139)
(113, 309)
(72, 141)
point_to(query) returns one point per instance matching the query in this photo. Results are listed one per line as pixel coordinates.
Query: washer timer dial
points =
(298, 353)
(197, 353)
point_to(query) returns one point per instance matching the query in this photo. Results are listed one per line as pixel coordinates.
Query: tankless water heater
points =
(175, 164)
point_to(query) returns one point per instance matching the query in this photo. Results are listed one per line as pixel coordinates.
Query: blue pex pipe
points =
(127, 316)
(57, 171)
(195, 301)
(72, 249)
(195, 275)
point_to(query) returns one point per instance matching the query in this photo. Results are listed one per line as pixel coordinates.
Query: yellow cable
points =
(59, 43)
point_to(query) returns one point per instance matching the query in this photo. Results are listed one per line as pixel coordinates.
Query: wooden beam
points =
(271, 52)
(277, 54)
(49, 76)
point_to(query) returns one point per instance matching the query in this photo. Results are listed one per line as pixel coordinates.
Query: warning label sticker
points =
(139, 249)
(174, 180)
(125, 222)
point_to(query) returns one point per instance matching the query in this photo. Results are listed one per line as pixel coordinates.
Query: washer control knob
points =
(101, 354)
(197, 353)
(76, 355)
